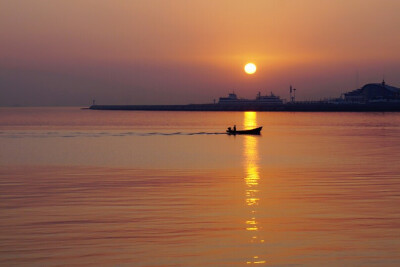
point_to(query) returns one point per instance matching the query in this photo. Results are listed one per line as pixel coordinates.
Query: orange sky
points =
(141, 52)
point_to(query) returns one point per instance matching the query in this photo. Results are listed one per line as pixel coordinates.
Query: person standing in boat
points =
(234, 128)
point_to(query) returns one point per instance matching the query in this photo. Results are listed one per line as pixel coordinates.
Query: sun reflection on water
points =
(251, 162)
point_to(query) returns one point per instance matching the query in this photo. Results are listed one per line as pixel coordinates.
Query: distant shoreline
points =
(292, 107)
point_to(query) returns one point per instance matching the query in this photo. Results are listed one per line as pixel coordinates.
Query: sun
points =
(250, 68)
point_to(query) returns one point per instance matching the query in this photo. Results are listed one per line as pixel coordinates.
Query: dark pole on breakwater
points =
(294, 94)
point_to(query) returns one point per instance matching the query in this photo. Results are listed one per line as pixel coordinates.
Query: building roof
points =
(381, 85)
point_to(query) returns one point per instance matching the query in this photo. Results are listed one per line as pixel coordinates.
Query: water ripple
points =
(96, 134)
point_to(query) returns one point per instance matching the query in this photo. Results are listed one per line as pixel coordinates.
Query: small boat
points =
(255, 131)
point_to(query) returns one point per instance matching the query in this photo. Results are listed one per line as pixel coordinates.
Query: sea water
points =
(141, 188)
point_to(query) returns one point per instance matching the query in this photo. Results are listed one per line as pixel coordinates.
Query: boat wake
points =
(62, 134)
(183, 133)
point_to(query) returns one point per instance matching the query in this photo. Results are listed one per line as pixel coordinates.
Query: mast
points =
(294, 94)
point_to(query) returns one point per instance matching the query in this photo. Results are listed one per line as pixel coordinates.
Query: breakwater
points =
(298, 106)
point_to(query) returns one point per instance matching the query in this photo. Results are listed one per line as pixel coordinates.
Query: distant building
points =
(373, 92)
(260, 99)
(232, 98)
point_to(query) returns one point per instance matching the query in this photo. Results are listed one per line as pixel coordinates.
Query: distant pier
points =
(373, 97)
(291, 107)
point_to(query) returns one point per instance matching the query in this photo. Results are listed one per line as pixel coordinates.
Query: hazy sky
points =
(67, 52)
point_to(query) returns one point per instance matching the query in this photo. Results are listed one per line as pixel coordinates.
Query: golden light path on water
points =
(251, 162)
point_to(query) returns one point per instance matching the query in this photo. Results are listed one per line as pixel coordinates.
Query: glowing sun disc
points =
(250, 68)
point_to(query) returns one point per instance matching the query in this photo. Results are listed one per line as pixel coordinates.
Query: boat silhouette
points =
(255, 131)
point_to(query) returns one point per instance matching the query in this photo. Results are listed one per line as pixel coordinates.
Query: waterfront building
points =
(260, 99)
(374, 92)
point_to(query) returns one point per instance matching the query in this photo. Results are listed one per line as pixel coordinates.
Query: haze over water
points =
(89, 188)
(179, 52)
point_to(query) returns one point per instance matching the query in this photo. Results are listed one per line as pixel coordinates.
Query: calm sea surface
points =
(131, 188)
